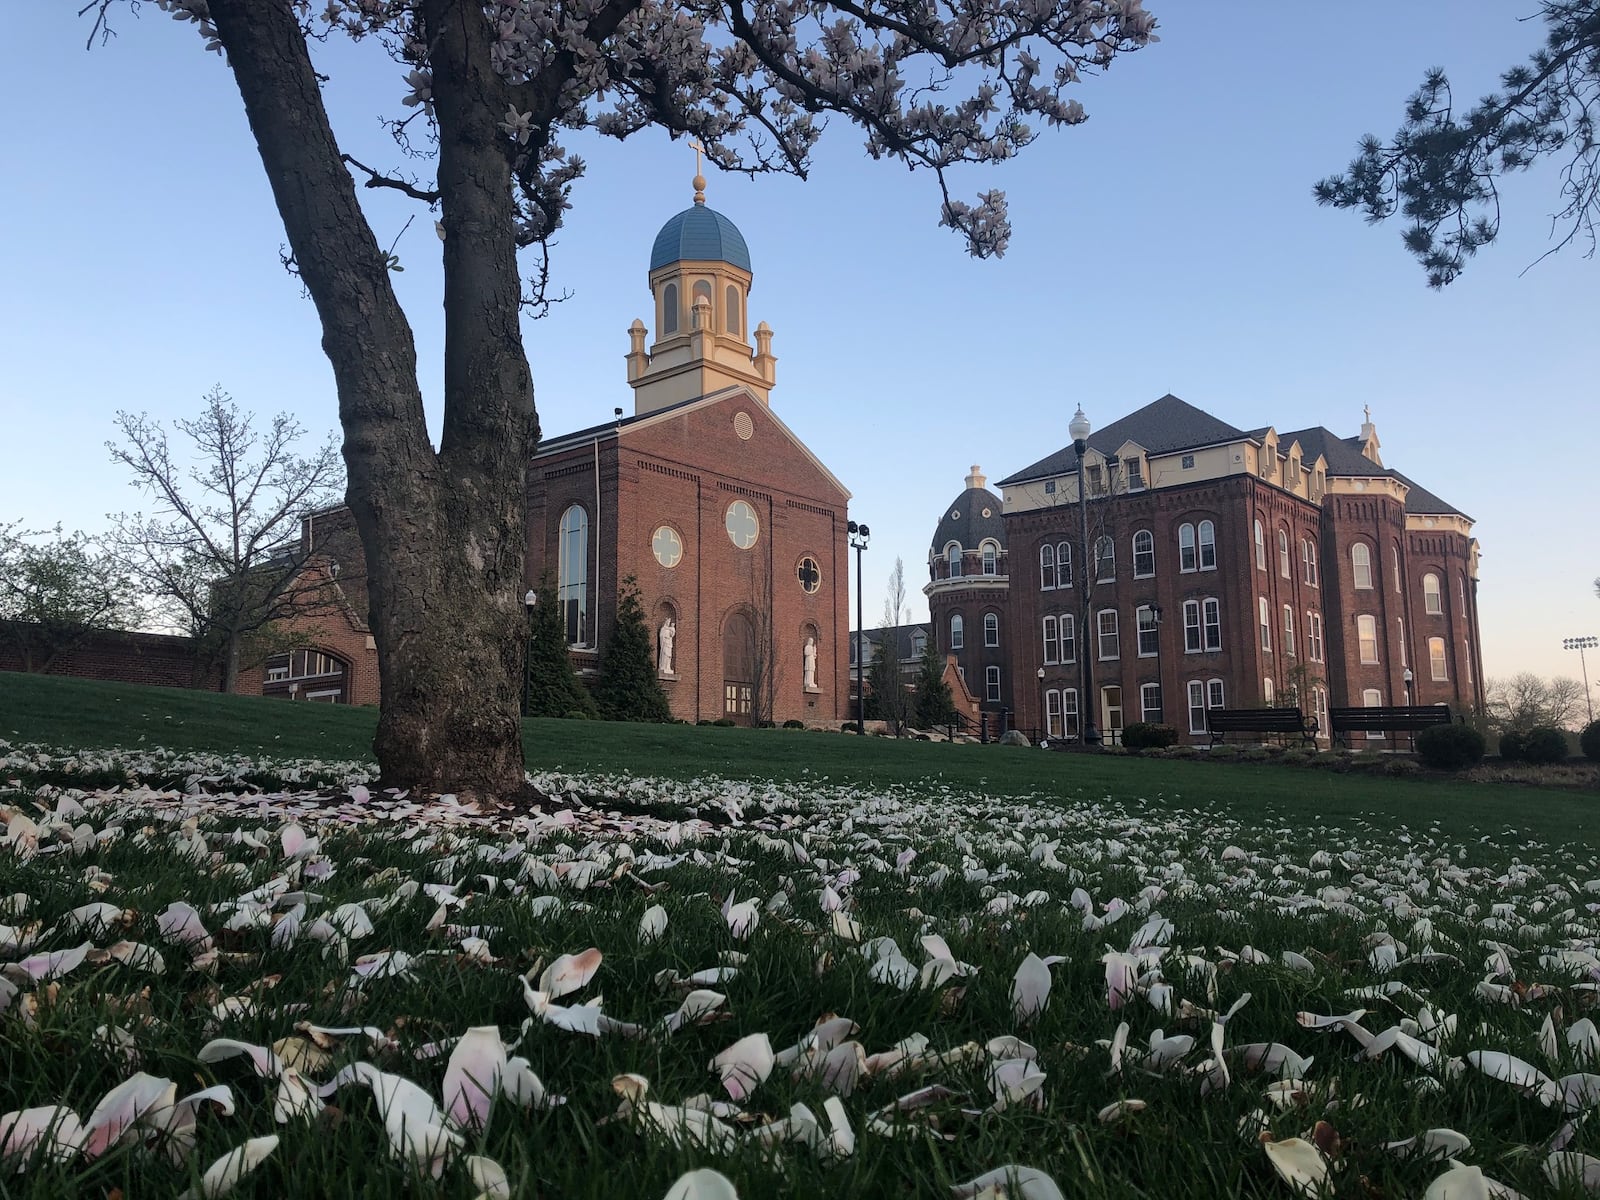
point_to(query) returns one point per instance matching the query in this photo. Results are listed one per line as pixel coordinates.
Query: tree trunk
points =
(443, 532)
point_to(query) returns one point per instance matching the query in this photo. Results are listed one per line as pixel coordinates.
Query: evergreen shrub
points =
(1589, 741)
(1142, 735)
(1513, 745)
(1450, 747)
(1545, 745)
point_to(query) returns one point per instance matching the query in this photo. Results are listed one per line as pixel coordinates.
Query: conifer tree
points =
(554, 689)
(934, 704)
(629, 689)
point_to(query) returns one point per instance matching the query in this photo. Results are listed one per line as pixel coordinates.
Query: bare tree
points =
(55, 595)
(496, 86)
(221, 552)
(1526, 700)
(894, 701)
(766, 660)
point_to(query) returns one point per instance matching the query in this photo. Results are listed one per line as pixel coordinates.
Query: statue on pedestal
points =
(665, 637)
(809, 656)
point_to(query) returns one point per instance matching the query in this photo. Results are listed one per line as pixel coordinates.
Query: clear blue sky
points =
(1170, 244)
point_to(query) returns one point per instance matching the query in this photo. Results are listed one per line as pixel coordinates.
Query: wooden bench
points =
(1387, 720)
(1221, 721)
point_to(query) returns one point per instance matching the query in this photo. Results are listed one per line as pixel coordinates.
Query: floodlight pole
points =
(1580, 644)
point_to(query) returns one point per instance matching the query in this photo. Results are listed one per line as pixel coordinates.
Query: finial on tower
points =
(699, 179)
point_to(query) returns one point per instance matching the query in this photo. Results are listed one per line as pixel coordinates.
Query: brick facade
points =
(155, 659)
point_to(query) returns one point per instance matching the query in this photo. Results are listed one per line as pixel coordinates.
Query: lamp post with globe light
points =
(1580, 644)
(530, 600)
(1079, 428)
(858, 542)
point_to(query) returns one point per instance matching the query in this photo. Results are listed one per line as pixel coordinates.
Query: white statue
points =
(810, 658)
(668, 633)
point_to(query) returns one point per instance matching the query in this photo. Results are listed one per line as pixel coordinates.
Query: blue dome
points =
(700, 234)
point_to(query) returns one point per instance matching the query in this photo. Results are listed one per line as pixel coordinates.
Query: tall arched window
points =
(732, 304)
(1432, 598)
(1261, 548)
(958, 636)
(572, 574)
(1208, 545)
(1361, 565)
(1144, 554)
(1283, 553)
(1187, 560)
(991, 558)
(991, 629)
(1064, 565)
(1047, 568)
(669, 308)
(952, 555)
(1436, 661)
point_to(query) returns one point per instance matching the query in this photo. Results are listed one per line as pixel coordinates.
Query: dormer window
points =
(952, 555)
(1135, 473)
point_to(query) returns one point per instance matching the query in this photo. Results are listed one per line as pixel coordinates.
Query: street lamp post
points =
(1580, 644)
(1079, 428)
(858, 542)
(1044, 719)
(1161, 686)
(530, 599)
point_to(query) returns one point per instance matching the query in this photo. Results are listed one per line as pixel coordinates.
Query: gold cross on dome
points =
(698, 151)
(699, 179)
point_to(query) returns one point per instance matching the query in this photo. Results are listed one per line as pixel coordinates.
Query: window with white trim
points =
(1064, 565)
(991, 557)
(1052, 641)
(1069, 638)
(1106, 626)
(1461, 590)
(1105, 560)
(952, 555)
(1466, 658)
(1268, 695)
(1052, 713)
(1361, 565)
(1135, 467)
(1261, 547)
(1208, 545)
(958, 633)
(1284, 569)
(1149, 632)
(1197, 706)
(1394, 549)
(1289, 644)
(991, 629)
(1436, 661)
(1213, 616)
(572, 574)
(1191, 627)
(1069, 712)
(1214, 694)
(991, 684)
(1314, 636)
(1264, 613)
(1308, 562)
(1144, 554)
(1188, 560)
(1373, 698)
(1432, 598)
(1401, 621)
(1367, 637)
(1047, 568)
(1150, 703)
(1319, 699)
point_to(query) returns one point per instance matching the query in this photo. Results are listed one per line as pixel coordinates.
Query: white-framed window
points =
(952, 555)
(1197, 706)
(1432, 598)
(1047, 568)
(1212, 609)
(1264, 614)
(1314, 636)
(1052, 713)
(991, 629)
(1191, 627)
(1461, 590)
(1367, 638)
(991, 684)
(1289, 644)
(1149, 631)
(1208, 545)
(1052, 639)
(1105, 559)
(1319, 700)
(1096, 479)
(1144, 554)
(1308, 561)
(1150, 703)
(1215, 694)
(1284, 568)
(572, 574)
(1135, 473)
(1361, 565)
(958, 632)
(1466, 658)
(1064, 565)
(1069, 712)
(1069, 638)
(991, 557)
(1401, 622)
(1394, 553)
(1106, 626)
(1268, 694)
(1436, 661)
(1188, 560)
(1261, 546)
(1373, 698)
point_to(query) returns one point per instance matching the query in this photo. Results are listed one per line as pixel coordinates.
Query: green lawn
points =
(75, 713)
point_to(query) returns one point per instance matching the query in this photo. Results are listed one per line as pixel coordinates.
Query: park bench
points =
(1222, 721)
(1388, 720)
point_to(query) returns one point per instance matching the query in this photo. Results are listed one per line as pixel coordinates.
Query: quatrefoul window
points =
(809, 575)
(741, 524)
(667, 546)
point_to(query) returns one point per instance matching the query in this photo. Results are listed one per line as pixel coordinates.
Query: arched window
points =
(1461, 591)
(1047, 568)
(958, 636)
(1208, 545)
(1144, 554)
(991, 629)
(733, 310)
(1187, 559)
(1266, 691)
(991, 558)
(669, 308)
(1261, 548)
(1436, 663)
(1105, 560)
(1361, 565)
(1367, 637)
(1265, 618)
(1290, 646)
(952, 555)
(702, 291)
(1069, 638)
(1308, 562)
(1432, 599)
(1283, 553)
(572, 572)
(1064, 565)
(1394, 556)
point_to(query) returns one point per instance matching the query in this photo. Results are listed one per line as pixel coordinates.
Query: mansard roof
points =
(1343, 455)
(1161, 427)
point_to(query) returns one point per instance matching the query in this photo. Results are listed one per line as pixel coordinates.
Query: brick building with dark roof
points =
(1225, 568)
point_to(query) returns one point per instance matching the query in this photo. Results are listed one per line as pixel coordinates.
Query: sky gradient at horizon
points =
(1170, 244)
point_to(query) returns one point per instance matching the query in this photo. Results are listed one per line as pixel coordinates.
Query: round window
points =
(742, 525)
(667, 546)
(809, 575)
(744, 426)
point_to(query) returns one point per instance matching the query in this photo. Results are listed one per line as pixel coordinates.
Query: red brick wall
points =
(159, 660)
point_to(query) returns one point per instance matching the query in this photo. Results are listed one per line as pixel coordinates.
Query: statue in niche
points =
(665, 637)
(809, 657)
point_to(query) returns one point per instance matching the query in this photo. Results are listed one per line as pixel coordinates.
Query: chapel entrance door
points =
(738, 668)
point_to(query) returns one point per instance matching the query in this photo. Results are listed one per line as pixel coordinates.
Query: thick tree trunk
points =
(443, 532)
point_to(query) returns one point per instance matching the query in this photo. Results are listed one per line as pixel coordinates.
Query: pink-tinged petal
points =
(1121, 972)
(122, 1108)
(489, 1177)
(702, 1184)
(1030, 988)
(39, 967)
(569, 973)
(53, 1128)
(473, 1076)
(222, 1175)
(744, 1065)
(181, 925)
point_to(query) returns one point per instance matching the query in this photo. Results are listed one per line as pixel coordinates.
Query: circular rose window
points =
(667, 546)
(809, 575)
(741, 525)
(744, 426)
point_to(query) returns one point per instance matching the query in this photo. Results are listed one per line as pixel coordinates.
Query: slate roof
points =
(964, 522)
(1345, 458)
(1420, 500)
(905, 642)
(700, 234)
(1161, 427)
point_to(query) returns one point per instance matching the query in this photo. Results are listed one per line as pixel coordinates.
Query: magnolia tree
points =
(498, 89)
